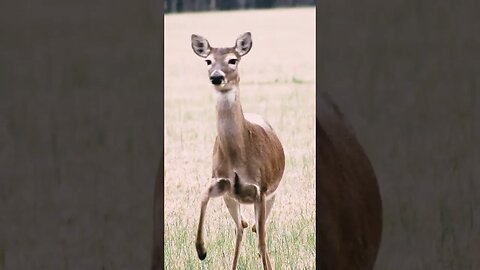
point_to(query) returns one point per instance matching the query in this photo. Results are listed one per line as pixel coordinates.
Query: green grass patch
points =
(290, 245)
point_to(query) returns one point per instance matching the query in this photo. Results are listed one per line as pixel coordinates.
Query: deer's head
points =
(222, 63)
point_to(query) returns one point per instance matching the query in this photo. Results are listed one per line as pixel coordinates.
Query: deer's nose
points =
(216, 78)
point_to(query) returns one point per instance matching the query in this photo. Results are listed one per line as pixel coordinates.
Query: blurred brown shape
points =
(349, 208)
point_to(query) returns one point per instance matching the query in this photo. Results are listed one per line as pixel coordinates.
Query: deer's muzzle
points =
(217, 78)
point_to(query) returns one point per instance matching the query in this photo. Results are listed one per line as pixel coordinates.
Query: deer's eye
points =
(232, 61)
(209, 62)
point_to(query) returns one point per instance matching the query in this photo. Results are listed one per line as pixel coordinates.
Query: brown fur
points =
(349, 206)
(250, 147)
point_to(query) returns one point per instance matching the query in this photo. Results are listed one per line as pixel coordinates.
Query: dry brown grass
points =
(278, 82)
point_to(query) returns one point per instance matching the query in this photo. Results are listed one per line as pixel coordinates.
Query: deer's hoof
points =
(201, 251)
(202, 256)
(254, 229)
(244, 224)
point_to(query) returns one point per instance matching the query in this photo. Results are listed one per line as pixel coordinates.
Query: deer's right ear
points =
(200, 46)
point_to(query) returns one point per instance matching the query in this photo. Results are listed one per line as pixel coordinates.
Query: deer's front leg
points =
(217, 188)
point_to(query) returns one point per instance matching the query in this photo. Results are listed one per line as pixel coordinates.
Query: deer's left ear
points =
(243, 43)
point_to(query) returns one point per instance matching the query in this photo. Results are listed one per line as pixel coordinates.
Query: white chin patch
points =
(225, 97)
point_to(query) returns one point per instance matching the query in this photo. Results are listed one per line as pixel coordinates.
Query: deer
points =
(248, 157)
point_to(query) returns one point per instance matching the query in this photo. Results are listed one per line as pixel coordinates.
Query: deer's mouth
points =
(223, 86)
(222, 89)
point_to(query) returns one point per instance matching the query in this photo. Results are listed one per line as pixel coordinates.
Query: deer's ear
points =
(200, 46)
(243, 43)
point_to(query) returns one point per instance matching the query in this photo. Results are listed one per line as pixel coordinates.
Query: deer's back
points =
(265, 149)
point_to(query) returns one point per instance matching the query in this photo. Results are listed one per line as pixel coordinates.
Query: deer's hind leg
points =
(260, 220)
(234, 209)
(268, 206)
(217, 188)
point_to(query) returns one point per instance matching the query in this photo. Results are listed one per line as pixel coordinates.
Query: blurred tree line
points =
(203, 5)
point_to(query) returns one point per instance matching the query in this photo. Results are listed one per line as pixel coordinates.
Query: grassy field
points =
(278, 82)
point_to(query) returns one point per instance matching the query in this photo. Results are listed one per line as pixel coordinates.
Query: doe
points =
(248, 158)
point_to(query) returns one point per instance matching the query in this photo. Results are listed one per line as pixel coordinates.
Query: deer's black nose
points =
(217, 79)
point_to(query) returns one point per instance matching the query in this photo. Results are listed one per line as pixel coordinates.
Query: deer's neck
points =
(231, 124)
